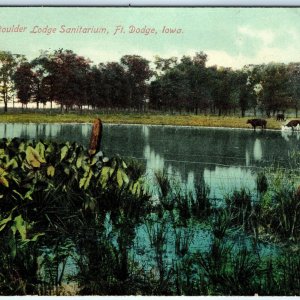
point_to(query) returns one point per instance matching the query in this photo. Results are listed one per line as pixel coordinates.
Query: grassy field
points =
(136, 118)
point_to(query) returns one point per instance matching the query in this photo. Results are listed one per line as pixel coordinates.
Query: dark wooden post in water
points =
(96, 136)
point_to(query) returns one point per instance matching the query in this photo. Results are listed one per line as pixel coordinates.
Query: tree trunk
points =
(96, 136)
(5, 101)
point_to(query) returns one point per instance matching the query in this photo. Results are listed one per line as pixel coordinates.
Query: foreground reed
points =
(86, 225)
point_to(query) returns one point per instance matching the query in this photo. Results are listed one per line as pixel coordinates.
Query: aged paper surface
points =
(149, 151)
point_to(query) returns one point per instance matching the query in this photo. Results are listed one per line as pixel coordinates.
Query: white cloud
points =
(273, 54)
(222, 58)
(265, 49)
(266, 36)
(265, 55)
(104, 56)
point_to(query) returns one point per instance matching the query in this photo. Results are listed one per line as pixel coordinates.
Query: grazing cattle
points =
(293, 123)
(280, 117)
(257, 122)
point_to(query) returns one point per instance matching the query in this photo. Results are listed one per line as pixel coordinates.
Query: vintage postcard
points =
(149, 151)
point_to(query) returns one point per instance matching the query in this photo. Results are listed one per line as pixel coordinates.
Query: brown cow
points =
(257, 122)
(280, 117)
(293, 123)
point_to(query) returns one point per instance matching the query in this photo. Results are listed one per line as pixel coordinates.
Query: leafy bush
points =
(239, 206)
(52, 193)
(280, 207)
(60, 204)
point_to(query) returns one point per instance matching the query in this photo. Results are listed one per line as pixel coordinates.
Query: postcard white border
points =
(247, 3)
(140, 3)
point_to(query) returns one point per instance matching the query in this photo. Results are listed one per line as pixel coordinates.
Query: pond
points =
(224, 159)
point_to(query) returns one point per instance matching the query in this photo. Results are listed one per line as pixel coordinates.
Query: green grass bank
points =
(136, 118)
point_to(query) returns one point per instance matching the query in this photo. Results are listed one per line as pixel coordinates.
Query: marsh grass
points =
(183, 240)
(239, 205)
(201, 205)
(279, 205)
(100, 238)
(158, 233)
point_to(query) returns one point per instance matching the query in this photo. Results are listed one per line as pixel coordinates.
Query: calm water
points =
(223, 158)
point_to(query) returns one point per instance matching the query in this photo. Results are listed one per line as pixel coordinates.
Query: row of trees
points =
(71, 80)
(185, 84)
(190, 85)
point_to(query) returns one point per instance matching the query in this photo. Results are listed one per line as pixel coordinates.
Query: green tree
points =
(41, 91)
(116, 85)
(181, 85)
(247, 96)
(67, 73)
(8, 65)
(199, 82)
(24, 82)
(274, 88)
(44, 88)
(138, 72)
(221, 89)
(95, 82)
(163, 64)
(293, 70)
(270, 83)
(243, 91)
(160, 90)
(176, 89)
(254, 85)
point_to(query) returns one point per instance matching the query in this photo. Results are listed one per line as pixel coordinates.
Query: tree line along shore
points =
(168, 85)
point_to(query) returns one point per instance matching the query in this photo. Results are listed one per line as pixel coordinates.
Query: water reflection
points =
(225, 179)
(222, 158)
(257, 150)
(154, 161)
(247, 158)
(289, 134)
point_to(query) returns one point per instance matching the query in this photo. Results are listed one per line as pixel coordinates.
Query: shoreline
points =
(145, 124)
(193, 121)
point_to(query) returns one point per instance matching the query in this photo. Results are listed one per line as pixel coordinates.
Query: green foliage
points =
(239, 206)
(8, 64)
(227, 271)
(262, 183)
(61, 206)
(50, 193)
(201, 206)
(280, 207)
(180, 84)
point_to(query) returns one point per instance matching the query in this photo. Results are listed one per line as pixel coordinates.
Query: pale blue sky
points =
(230, 36)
